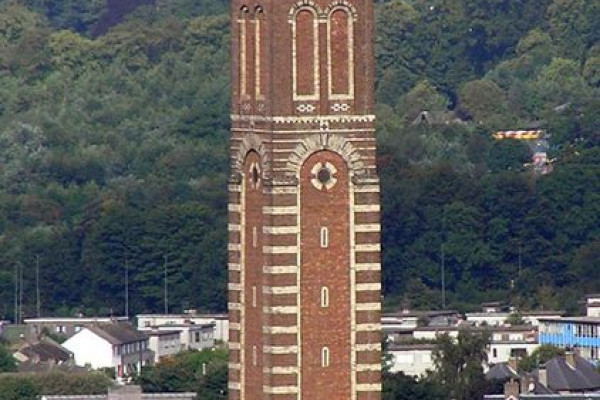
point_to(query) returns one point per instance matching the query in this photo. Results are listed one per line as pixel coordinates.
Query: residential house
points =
(46, 351)
(400, 325)
(220, 322)
(164, 343)
(505, 342)
(493, 314)
(117, 346)
(411, 359)
(593, 305)
(126, 393)
(565, 377)
(191, 336)
(580, 333)
(65, 327)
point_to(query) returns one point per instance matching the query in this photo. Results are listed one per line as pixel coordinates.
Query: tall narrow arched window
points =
(243, 20)
(324, 297)
(305, 54)
(325, 357)
(258, 51)
(324, 237)
(340, 53)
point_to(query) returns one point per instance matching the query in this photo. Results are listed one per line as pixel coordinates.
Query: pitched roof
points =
(118, 333)
(501, 372)
(47, 351)
(563, 377)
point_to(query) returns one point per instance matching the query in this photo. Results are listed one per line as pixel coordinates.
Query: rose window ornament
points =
(323, 175)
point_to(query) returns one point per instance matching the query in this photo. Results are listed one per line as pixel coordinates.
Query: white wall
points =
(88, 348)
(501, 352)
(411, 362)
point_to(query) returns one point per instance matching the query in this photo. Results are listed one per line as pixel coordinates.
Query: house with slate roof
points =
(565, 377)
(118, 346)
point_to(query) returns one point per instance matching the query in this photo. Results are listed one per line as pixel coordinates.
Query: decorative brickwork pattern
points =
(304, 253)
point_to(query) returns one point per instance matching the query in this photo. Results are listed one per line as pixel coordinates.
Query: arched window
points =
(324, 237)
(325, 357)
(340, 53)
(305, 53)
(324, 297)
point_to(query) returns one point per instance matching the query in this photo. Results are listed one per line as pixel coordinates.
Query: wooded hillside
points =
(113, 152)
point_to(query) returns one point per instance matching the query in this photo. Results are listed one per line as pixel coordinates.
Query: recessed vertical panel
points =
(243, 48)
(305, 53)
(340, 42)
(325, 203)
(252, 271)
(258, 52)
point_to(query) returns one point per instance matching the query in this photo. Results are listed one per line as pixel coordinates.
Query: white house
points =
(411, 359)
(164, 343)
(220, 322)
(117, 346)
(593, 305)
(191, 336)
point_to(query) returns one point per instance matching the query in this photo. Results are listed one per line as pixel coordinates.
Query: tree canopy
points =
(114, 123)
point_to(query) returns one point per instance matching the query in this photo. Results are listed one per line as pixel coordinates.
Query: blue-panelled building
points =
(578, 333)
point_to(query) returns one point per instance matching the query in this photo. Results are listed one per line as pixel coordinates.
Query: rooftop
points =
(118, 333)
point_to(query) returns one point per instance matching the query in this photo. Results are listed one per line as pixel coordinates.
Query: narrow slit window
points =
(253, 296)
(324, 237)
(254, 237)
(324, 297)
(325, 357)
(254, 356)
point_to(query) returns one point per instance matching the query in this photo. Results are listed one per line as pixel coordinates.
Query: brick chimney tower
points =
(304, 231)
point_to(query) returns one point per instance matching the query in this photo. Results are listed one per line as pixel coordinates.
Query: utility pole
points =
(20, 319)
(16, 317)
(37, 285)
(127, 289)
(166, 259)
(520, 258)
(443, 277)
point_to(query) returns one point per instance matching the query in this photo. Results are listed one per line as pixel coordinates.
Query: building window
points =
(254, 296)
(254, 237)
(495, 353)
(324, 297)
(325, 357)
(324, 237)
(254, 356)
(197, 336)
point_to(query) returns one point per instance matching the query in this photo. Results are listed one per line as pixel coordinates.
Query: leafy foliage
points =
(459, 364)
(539, 356)
(204, 372)
(113, 152)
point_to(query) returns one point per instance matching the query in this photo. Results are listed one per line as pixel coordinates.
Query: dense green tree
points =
(459, 364)
(402, 387)
(203, 371)
(539, 356)
(7, 361)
